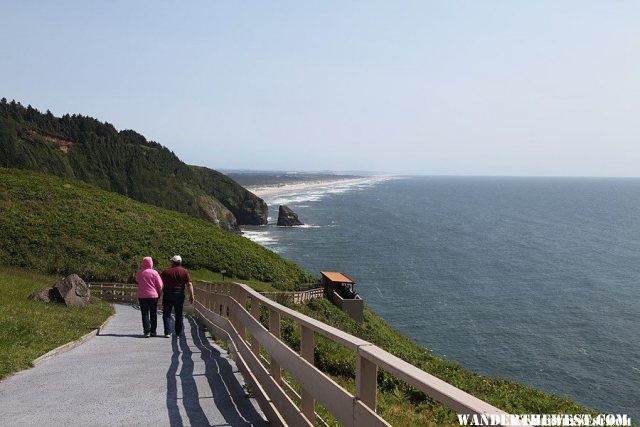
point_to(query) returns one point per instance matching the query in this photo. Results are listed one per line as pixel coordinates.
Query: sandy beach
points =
(263, 191)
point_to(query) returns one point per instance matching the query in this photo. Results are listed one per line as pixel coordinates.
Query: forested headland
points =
(125, 162)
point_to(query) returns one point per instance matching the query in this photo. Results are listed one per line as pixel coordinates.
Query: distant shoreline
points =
(271, 190)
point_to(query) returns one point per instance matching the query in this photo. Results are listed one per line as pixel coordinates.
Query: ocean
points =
(532, 279)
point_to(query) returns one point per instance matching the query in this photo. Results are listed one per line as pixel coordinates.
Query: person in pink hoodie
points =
(149, 290)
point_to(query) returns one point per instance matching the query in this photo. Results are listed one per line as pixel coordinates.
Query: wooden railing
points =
(232, 312)
(295, 297)
(114, 292)
(122, 293)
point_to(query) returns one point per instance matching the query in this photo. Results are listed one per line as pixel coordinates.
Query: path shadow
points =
(122, 335)
(190, 394)
(228, 395)
(175, 419)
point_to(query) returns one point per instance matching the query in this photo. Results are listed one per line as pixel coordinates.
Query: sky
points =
(477, 87)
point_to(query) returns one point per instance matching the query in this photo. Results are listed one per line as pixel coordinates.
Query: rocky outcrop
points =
(287, 217)
(62, 144)
(247, 208)
(43, 295)
(71, 291)
(254, 210)
(215, 212)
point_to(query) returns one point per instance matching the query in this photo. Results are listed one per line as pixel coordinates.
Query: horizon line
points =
(396, 174)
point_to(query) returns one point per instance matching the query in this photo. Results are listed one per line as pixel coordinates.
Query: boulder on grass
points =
(44, 295)
(71, 290)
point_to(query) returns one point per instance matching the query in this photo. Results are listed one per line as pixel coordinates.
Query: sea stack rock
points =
(287, 217)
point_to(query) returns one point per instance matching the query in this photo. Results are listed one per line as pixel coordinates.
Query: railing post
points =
(366, 381)
(215, 297)
(274, 328)
(226, 306)
(306, 351)
(239, 297)
(255, 312)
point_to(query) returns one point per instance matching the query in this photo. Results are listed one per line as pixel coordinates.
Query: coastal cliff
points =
(247, 208)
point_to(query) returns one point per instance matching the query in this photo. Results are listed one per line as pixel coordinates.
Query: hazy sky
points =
(448, 87)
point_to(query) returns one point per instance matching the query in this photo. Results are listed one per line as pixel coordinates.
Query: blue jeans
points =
(172, 301)
(149, 310)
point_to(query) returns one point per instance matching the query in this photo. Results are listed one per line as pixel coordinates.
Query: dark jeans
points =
(149, 310)
(175, 301)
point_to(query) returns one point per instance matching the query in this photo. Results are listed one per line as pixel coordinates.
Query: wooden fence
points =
(128, 293)
(123, 293)
(232, 312)
(114, 292)
(295, 297)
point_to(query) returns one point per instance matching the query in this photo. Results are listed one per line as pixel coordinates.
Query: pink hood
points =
(147, 262)
(149, 281)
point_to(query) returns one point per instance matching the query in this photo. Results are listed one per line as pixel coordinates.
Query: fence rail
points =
(232, 312)
(295, 297)
(123, 293)
(114, 292)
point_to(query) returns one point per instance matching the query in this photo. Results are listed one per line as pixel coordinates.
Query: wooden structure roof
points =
(334, 276)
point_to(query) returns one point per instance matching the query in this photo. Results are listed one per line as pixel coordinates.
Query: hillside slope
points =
(124, 162)
(63, 226)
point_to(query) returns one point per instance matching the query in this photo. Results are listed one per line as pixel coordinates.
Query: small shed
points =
(340, 290)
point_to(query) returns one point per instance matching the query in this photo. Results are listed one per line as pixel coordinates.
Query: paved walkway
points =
(119, 378)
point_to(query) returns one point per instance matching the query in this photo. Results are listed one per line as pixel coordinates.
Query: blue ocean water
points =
(532, 279)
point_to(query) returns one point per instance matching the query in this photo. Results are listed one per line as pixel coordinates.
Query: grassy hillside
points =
(75, 146)
(29, 329)
(63, 226)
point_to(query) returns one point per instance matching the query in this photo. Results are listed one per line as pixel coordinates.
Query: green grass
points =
(63, 226)
(29, 329)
